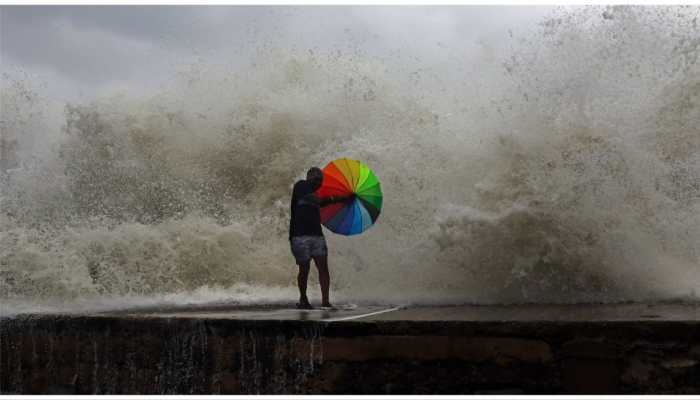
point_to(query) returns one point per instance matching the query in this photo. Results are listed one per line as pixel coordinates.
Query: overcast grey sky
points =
(82, 51)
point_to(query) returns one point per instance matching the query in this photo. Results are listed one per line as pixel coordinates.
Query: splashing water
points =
(567, 170)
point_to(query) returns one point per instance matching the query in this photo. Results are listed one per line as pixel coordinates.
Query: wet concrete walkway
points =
(520, 313)
(258, 313)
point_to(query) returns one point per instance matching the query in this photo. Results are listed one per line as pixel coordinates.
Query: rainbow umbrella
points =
(345, 177)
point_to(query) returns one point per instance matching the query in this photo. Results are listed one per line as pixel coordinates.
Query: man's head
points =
(315, 177)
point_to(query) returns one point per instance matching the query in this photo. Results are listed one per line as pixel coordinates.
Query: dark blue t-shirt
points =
(305, 211)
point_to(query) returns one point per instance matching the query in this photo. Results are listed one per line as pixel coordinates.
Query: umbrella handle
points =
(342, 199)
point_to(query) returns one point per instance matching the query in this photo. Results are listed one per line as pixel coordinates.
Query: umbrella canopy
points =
(344, 177)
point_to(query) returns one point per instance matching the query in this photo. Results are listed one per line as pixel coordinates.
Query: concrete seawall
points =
(448, 350)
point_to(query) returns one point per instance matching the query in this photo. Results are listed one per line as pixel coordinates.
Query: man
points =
(306, 237)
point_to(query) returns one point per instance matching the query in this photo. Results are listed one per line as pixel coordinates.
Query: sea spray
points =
(563, 169)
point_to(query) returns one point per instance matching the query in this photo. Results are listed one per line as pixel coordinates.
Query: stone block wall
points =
(113, 355)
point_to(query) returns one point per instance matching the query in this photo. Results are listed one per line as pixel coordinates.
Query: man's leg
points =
(302, 279)
(324, 278)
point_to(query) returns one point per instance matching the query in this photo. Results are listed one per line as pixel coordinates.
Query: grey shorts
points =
(306, 247)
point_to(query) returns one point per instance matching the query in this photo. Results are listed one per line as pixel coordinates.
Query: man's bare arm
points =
(335, 199)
